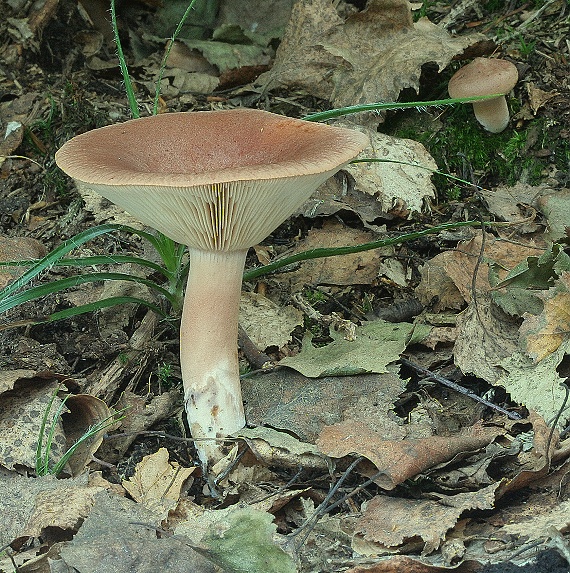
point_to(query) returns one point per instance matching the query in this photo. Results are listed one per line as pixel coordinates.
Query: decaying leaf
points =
(17, 249)
(556, 208)
(351, 269)
(512, 203)
(396, 182)
(486, 336)
(542, 334)
(287, 400)
(538, 386)
(21, 415)
(239, 539)
(399, 460)
(157, 483)
(488, 345)
(453, 271)
(371, 56)
(266, 323)
(280, 449)
(32, 507)
(390, 522)
(377, 344)
(119, 535)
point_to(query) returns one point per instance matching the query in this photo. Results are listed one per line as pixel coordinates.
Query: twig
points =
(253, 355)
(461, 389)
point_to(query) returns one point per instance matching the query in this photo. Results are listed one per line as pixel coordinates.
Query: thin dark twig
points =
(557, 418)
(323, 508)
(282, 489)
(160, 434)
(461, 389)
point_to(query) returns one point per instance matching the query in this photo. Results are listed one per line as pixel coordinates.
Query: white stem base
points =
(208, 349)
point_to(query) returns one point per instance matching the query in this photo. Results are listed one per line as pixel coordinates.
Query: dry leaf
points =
(35, 506)
(448, 277)
(266, 323)
(118, 536)
(287, 400)
(17, 249)
(383, 51)
(279, 449)
(85, 412)
(371, 56)
(357, 268)
(397, 185)
(543, 334)
(399, 460)
(157, 483)
(486, 336)
(555, 206)
(390, 522)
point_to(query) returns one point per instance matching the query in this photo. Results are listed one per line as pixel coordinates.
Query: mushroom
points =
(484, 77)
(218, 182)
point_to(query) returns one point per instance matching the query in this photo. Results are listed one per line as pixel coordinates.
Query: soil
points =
(46, 84)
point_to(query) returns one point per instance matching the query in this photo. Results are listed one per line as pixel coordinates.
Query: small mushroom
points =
(218, 182)
(484, 77)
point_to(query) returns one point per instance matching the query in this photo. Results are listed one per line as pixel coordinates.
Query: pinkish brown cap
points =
(217, 180)
(482, 77)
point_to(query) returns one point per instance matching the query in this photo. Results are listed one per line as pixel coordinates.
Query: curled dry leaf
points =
(389, 522)
(279, 449)
(400, 460)
(85, 412)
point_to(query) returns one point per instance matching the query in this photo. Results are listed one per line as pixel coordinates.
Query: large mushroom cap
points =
(211, 180)
(483, 77)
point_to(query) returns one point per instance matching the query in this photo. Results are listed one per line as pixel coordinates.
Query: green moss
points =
(461, 147)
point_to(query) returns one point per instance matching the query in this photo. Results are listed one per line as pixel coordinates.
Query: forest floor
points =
(384, 468)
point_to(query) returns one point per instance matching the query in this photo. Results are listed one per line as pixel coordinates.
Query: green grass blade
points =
(41, 459)
(167, 53)
(51, 434)
(91, 261)
(34, 293)
(84, 309)
(59, 252)
(123, 65)
(89, 433)
(336, 251)
(379, 106)
(434, 171)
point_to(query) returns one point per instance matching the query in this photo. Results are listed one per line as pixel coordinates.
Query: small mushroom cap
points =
(218, 180)
(483, 76)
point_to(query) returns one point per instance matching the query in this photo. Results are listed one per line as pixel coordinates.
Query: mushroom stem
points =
(208, 349)
(492, 114)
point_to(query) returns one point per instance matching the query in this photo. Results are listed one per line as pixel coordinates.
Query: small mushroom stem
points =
(208, 349)
(492, 114)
